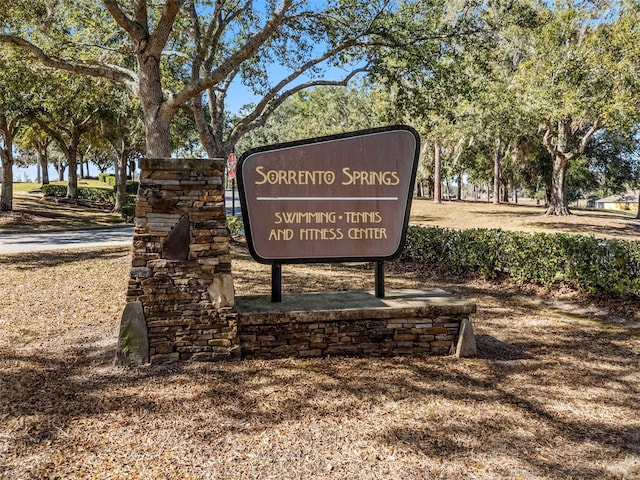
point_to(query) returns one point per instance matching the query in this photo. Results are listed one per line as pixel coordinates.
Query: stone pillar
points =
(180, 299)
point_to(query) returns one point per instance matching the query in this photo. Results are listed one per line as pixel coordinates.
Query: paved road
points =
(37, 242)
(232, 205)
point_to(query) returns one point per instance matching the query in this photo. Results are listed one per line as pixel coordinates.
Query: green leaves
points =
(595, 266)
(320, 111)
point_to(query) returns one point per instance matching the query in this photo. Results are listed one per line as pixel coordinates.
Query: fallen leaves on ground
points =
(554, 392)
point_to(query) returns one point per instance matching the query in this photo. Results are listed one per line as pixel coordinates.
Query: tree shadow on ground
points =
(37, 260)
(550, 397)
(628, 229)
(490, 348)
(34, 214)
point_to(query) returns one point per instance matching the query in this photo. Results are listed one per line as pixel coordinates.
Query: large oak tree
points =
(582, 75)
(178, 54)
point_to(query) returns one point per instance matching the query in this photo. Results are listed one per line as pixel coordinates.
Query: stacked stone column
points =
(180, 294)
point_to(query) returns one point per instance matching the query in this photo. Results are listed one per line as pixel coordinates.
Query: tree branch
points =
(55, 135)
(271, 101)
(160, 36)
(597, 125)
(251, 46)
(546, 139)
(217, 28)
(135, 30)
(110, 72)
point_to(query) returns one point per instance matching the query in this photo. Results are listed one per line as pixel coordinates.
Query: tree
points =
(450, 87)
(582, 75)
(610, 159)
(497, 116)
(172, 53)
(121, 126)
(14, 106)
(34, 139)
(69, 107)
(320, 111)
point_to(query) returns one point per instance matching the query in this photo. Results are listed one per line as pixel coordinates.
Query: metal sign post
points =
(276, 283)
(380, 279)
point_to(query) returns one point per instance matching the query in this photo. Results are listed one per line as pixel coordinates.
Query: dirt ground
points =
(525, 216)
(553, 394)
(32, 213)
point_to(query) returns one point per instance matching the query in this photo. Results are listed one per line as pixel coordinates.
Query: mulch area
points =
(553, 394)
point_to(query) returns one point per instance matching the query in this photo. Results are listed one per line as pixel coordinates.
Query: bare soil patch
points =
(553, 394)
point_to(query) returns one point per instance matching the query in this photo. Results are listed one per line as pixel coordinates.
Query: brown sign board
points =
(330, 199)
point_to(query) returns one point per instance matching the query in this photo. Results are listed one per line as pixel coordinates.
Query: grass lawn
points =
(32, 187)
(553, 394)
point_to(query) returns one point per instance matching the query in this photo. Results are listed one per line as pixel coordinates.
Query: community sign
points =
(329, 199)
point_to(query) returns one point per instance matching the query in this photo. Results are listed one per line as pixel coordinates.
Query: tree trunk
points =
(72, 184)
(437, 175)
(497, 159)
(561, 154)
(6, 154)
(157, 113)
(158, 137)
(460, 186)
(505, 191)
(558, 194)
(121, 183)
(6, 195)
(204, 129)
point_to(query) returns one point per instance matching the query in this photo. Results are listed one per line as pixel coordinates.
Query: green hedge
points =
(592, 265)
(234, 224)
(84, 193)
(110, 179)
(107, 178)
(132, 187)
(128, 211)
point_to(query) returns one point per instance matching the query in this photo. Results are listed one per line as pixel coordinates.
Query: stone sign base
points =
(180, 292)
(405, 322)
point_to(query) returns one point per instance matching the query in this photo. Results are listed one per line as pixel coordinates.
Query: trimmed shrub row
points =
(129, 209)
(107, 178)
(84, 193)
(592, 265)
(110, 179)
